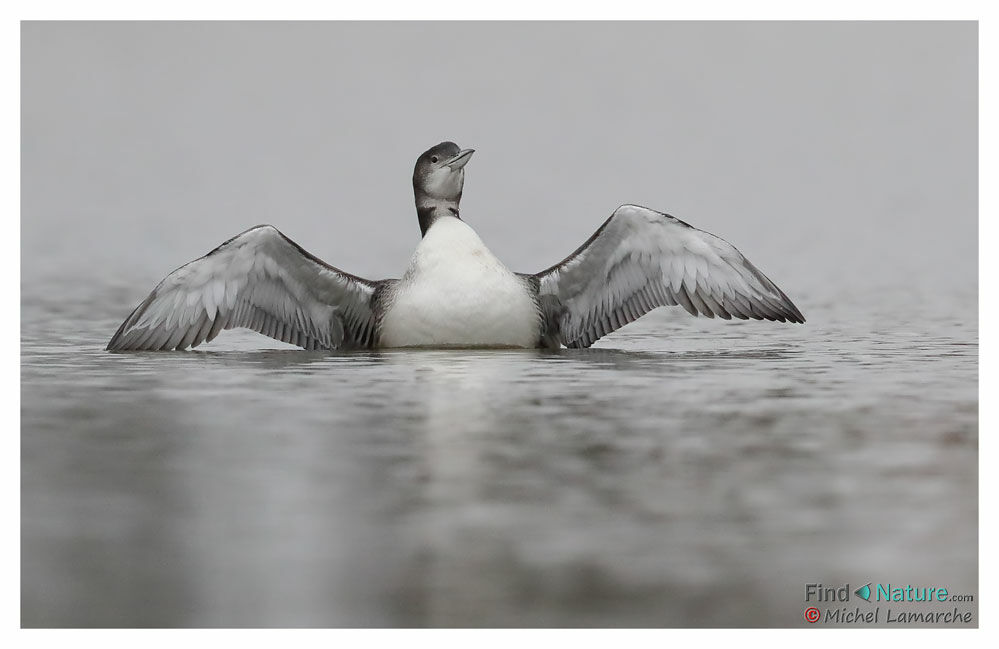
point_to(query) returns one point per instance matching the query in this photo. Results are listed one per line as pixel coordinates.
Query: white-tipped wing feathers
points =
(260, 280)
(640, 259)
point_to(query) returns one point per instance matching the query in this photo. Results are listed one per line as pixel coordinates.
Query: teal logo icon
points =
(864, 592)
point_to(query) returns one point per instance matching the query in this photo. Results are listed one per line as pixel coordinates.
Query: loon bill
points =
(455, 292)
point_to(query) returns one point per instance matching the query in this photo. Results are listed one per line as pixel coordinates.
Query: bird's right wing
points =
(640, 259)
(261, 280)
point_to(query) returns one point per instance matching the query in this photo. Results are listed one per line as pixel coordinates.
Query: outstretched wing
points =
(640, 259)
(261, 280)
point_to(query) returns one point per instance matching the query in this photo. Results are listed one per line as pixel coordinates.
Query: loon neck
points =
(431, 210)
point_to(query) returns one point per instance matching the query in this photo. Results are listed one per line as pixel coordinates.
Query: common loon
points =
(455, 292)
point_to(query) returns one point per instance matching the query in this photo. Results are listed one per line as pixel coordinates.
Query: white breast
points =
(456, 293)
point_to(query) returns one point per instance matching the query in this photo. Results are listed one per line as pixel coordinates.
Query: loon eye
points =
(433, 159)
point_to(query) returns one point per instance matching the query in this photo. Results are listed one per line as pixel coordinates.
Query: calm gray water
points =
(683, 472)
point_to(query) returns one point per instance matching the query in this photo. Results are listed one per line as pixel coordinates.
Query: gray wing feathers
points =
(260, 280)
(641, 259)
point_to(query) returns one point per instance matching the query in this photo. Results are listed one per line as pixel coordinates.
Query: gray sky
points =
(829, 153)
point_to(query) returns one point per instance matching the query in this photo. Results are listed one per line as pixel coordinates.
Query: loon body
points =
(455, 292)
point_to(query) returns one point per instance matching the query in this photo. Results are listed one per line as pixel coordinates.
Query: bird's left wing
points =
(261, 280)
(640, 259)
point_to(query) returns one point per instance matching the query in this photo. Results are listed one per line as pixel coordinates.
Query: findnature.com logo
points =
(876, 593)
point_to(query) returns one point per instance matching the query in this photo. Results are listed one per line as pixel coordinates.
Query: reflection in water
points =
(687, 477)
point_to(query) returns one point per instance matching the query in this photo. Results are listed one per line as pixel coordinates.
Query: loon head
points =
(438, 178)
(440, 172)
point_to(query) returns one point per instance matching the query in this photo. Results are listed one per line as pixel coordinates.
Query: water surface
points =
(683, 472)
